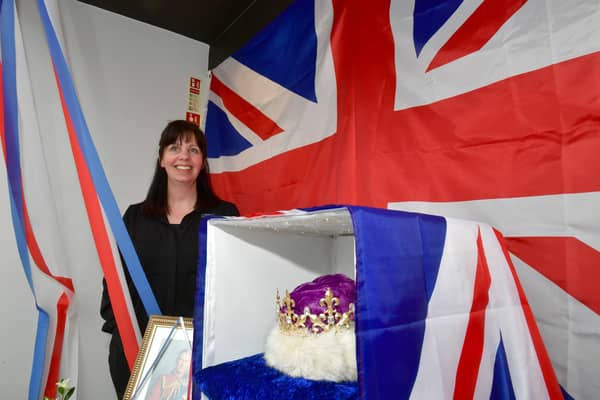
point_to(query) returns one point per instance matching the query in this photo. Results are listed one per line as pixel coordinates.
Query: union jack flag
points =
(485, 110)
(441, 313)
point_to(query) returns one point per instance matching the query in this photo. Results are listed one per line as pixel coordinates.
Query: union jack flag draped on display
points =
(486, 110)
(440, 312)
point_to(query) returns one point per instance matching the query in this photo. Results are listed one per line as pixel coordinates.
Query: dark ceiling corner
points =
(225, 25)
(258, 15)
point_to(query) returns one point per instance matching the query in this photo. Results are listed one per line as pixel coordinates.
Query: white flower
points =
(64, 390)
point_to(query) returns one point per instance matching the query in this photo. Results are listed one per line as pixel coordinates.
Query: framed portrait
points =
(162, 369)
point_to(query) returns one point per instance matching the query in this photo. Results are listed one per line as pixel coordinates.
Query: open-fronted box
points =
(431, 292)
(249, 259)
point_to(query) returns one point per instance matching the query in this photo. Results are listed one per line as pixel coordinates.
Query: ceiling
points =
(225, 25)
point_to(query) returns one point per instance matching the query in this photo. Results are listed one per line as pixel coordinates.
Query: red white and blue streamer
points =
(46, 362)
(100, 202)
(55, 351)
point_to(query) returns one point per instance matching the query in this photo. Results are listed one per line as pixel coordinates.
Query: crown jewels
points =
(309, 323)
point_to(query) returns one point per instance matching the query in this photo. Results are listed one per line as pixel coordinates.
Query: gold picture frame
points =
(163, 363)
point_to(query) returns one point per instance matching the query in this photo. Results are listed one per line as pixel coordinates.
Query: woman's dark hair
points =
(156, 199)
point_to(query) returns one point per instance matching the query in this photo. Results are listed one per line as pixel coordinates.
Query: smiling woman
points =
(164, 230)
(182, 160)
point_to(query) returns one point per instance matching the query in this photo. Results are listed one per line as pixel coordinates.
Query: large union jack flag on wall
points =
(487, 110)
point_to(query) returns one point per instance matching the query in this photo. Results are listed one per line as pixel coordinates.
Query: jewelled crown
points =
(326, 303)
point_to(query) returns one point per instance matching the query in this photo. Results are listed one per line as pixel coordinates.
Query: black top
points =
(168, 254)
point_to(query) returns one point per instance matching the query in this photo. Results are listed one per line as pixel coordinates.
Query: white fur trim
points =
(327, 356)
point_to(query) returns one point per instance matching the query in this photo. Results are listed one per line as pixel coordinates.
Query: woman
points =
(164, 232)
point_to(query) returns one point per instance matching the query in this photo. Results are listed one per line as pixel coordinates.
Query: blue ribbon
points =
(95, 167)
(11, 130)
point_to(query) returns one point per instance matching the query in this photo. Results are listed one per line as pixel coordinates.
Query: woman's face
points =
(182, 160)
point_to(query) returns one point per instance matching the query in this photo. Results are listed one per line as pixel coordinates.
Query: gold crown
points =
(307, 323)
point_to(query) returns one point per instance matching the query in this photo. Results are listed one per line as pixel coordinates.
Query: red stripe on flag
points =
(251, 116)
(61, 320)
(566, 261)
(545, 364)
(102, 242)
(476, 31)
(472, 351)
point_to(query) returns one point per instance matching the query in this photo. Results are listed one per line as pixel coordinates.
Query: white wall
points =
(131, 79)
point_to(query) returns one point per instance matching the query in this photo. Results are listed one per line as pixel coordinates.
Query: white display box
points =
(248, 260)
